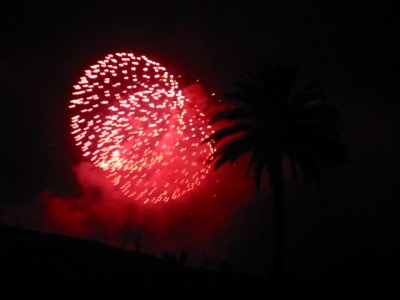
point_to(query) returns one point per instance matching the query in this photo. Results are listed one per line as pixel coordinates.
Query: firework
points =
(130, 119)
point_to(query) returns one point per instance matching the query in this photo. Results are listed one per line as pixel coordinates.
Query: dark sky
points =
(351, 46)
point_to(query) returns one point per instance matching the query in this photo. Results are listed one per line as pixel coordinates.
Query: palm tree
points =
(272, 123)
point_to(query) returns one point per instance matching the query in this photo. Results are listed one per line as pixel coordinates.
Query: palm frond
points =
(242, 113)
(228, 131)
(276, 123)
(232, 150)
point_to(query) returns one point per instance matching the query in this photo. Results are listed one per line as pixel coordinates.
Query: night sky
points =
(351, 47)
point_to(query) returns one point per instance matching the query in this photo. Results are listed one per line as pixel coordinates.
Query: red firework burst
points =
(131, 119)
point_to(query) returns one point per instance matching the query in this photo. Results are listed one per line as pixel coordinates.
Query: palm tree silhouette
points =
(272, 123)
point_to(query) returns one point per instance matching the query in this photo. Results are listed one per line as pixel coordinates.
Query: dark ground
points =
(41, 265)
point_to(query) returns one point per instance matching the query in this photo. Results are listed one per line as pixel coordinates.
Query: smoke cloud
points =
(196, 222)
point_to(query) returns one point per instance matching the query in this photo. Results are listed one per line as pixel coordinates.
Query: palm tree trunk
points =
(276, 179)
(279, 230)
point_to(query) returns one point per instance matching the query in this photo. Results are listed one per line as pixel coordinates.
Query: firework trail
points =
(131, 120)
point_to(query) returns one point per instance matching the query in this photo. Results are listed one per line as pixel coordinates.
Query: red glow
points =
(131, 120)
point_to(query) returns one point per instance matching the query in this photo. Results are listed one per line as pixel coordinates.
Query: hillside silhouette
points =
(51, 266)
(70, 265)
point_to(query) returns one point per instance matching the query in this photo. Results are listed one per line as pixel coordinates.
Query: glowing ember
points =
(131, 120)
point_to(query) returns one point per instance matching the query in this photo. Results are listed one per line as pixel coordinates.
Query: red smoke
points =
(196, 222)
